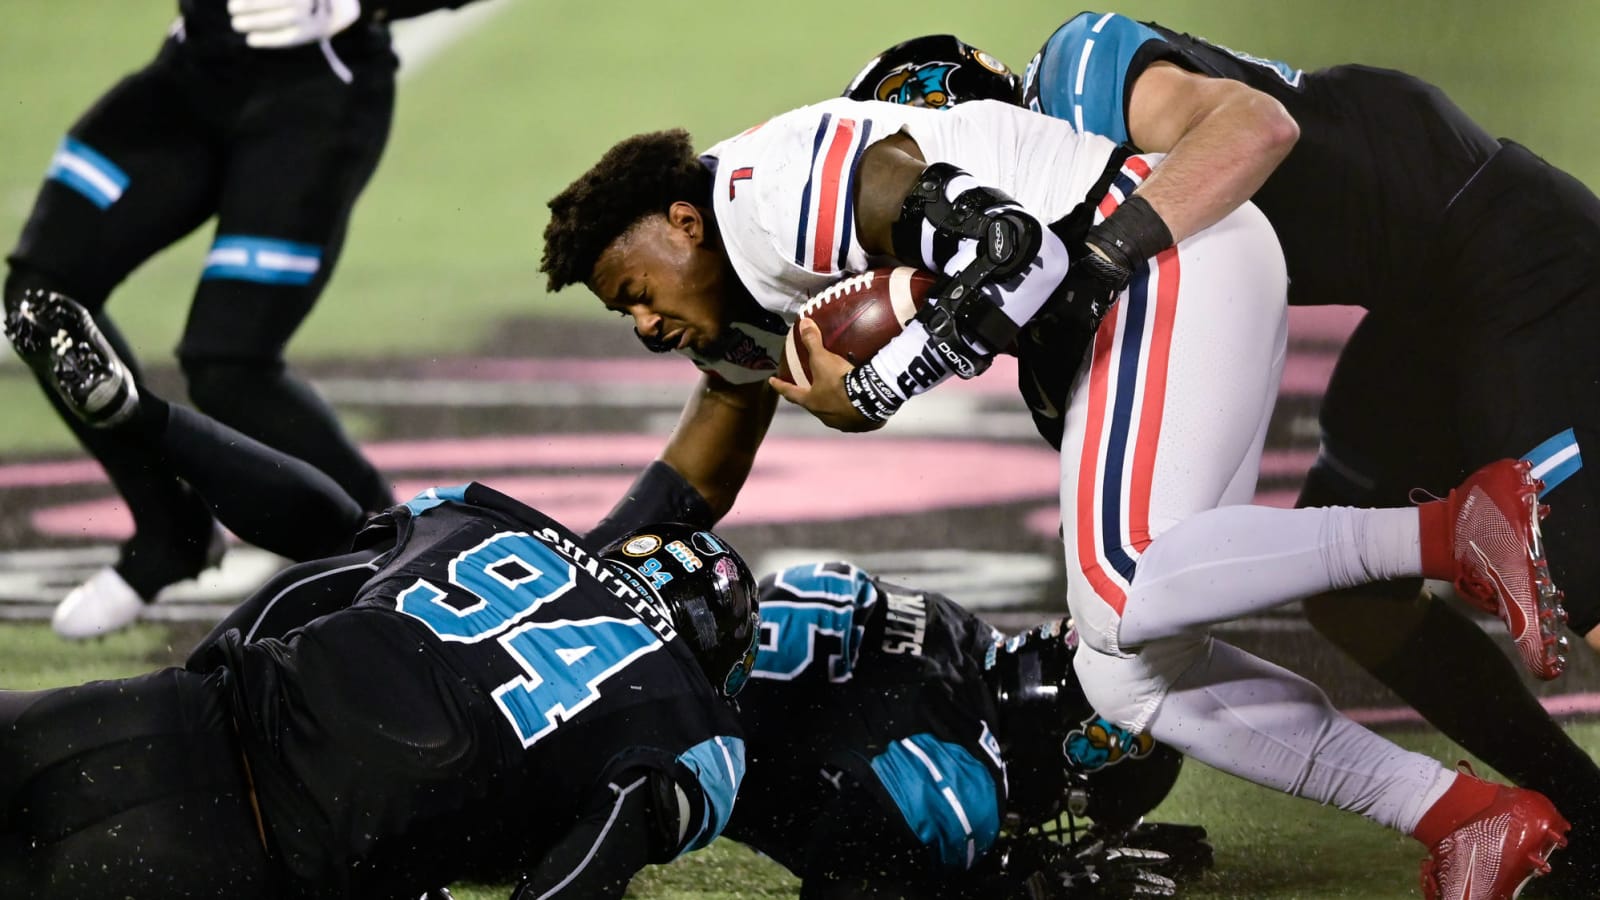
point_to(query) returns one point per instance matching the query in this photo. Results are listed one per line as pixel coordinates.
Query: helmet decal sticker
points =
(685, 557)
(642, 545)
(1097, 743)
(707, 543)
(990, 63)
(922, 84)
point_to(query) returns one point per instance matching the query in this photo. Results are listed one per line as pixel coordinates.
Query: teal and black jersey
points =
(1360, 201)
(485, 682)
(868, 696)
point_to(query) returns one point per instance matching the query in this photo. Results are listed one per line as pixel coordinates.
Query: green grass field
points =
(446, 242)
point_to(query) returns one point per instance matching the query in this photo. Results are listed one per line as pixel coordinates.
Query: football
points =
(857, 317)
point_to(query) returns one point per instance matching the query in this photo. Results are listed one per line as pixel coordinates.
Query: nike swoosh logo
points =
(1466, 886)
(1044, 407)
(1516, 620)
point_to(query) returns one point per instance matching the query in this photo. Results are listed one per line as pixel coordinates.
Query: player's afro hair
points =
(644, 174)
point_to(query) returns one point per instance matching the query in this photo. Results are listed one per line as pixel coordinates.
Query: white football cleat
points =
(101, 605)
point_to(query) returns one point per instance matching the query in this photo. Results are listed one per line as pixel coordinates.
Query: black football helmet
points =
(704, 587)
(937, 71)
(1061, 756)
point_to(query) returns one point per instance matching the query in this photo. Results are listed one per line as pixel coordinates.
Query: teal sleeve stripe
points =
(1083, 69)
(434, 496)
(946, 795)
(718, 764)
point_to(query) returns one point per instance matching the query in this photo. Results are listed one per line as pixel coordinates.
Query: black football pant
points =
(129, 789)
(1508, 369)
(268, 498)
(277, 149)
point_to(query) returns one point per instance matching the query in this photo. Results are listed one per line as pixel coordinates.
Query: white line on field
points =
(419, 41)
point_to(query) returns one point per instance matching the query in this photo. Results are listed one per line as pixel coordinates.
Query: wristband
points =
(1132, 234)
(868, 393)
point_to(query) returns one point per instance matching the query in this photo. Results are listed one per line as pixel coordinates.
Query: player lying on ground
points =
(484, 699)
(1511, 280)
(900, 747)
(903, 647)
(714, 253)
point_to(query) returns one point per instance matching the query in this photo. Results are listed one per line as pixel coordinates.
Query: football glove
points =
(1090, 870)
(1186, 846)
(275, 24)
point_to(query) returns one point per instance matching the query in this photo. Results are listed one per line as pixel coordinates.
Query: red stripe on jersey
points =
(1108, 204)
(744, 174)
(828, 200)
(1138, 166)
(1100, 365)
(1157, 357)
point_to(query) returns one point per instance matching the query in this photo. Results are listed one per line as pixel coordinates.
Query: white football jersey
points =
(784, 194)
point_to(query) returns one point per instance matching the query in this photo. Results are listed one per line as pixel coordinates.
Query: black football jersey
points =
(487, 679)
(861, 685)
(1359, 201)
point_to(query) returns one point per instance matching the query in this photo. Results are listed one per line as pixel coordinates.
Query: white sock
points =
(1366, 545)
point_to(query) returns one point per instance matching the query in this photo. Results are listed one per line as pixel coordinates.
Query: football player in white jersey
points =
(1028, 220)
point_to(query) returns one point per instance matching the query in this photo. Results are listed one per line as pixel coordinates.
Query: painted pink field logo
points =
(822, 478)
(577, 477)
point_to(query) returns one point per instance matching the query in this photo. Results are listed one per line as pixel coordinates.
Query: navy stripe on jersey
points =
(850, 190)
(805, 195)
(1081, 73)
(1137, 303)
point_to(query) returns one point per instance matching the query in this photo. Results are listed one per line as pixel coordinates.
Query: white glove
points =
(291, 23)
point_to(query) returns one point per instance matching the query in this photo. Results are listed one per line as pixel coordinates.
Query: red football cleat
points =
(1491, 533)
(1498, 849)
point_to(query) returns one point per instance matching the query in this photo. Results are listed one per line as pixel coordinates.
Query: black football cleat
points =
(58, 338)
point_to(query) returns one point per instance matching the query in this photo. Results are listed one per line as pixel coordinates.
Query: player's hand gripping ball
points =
(857, 317)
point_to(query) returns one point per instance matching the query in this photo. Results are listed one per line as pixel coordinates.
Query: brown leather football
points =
(857, 316)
